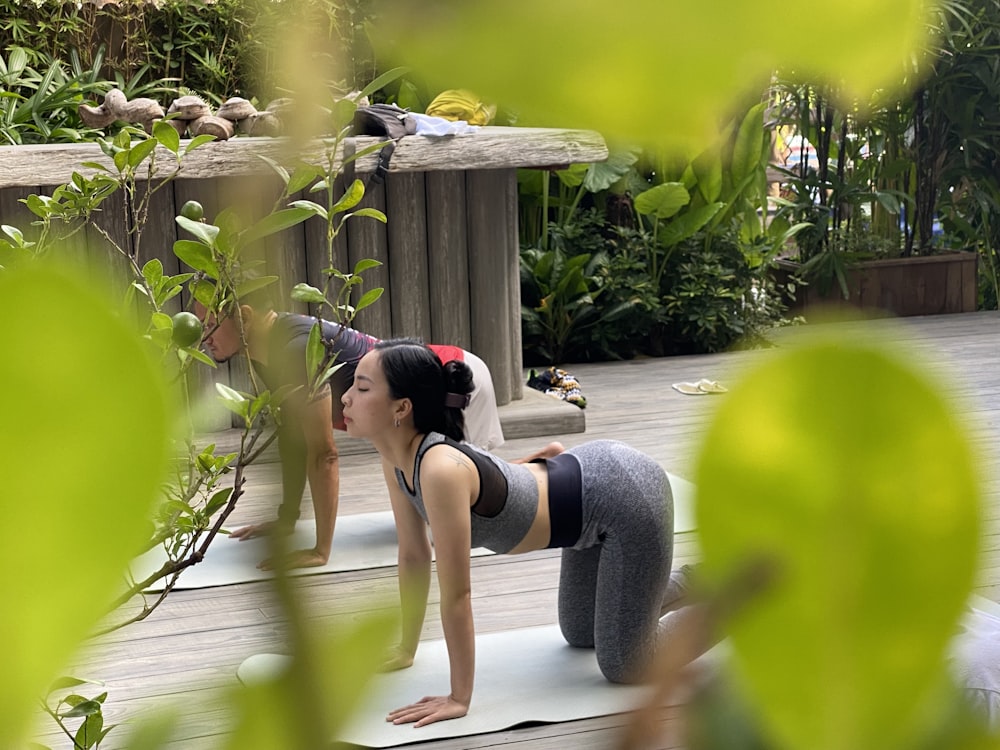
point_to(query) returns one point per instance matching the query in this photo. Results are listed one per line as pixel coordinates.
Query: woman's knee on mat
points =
(620, 667)
(577, 631)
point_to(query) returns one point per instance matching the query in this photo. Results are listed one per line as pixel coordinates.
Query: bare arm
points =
(414, 570)
(323, 472)
(292, 455)
(448, 480)
(313, 457)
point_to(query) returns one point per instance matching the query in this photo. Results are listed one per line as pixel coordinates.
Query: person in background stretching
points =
(608, 506)
(276, 342)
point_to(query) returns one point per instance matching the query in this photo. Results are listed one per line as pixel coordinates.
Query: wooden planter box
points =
(922, 285)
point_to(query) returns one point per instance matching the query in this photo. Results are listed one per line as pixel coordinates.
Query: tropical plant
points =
(39, 98)
(965, 92)
(544, 203)
(560, 293)
(641, 209)
(887, 170)
(222, 49)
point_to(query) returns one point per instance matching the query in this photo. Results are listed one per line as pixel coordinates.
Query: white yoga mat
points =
(361, 541)
(523, 675)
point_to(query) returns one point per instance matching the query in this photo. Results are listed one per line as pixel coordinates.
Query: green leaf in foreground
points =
(81, 457)
(332, 678)
(841, 466)
(638, 82)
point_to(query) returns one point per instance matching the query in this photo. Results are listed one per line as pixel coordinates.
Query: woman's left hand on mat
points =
(428, 710)
(300, 558)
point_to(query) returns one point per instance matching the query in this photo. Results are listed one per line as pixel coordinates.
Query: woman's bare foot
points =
(549, 451)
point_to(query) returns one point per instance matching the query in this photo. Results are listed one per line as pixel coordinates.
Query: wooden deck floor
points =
(196, 639)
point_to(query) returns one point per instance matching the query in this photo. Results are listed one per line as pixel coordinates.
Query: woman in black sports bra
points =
(608, 506)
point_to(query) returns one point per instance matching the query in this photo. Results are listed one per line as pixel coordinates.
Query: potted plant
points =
(876, 177)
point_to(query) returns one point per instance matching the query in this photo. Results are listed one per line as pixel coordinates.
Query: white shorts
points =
(482, 420)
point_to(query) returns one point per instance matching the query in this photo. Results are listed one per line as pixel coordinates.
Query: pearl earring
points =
(397, 423)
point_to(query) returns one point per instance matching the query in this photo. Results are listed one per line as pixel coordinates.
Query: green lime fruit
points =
(193, 210)
(187, 329)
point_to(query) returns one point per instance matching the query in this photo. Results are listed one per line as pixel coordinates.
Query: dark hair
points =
(413, 371)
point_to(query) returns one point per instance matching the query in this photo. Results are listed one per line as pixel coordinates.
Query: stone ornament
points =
(191, 116)
(117, 108)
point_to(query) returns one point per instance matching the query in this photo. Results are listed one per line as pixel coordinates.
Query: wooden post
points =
(448, 259)
(406, 232)
(492, 251)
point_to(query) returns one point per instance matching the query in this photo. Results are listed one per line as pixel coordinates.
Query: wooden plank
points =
(406, 233)
(159, 232)
(970, 290)
(448, 259)
(488, 148)
(513, 277)
(366, 238)
(320, 253)
(16, 214)
(491, 247)
(109, 244)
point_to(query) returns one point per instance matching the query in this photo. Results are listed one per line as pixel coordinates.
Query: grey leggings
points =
(612, 582)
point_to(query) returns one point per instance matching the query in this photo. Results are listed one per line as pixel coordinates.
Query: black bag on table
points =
(385, 121)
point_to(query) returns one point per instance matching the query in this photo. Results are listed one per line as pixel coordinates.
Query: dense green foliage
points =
(651, 254)
(219, 49)
(900, 174)
(56, 55)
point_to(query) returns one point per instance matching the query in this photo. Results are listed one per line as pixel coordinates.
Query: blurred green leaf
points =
(312, 206)
(315, 351)
(76, 513)
(302, 707)
(140, 151)
(229, 394)
(666, 73)
(83, 708)
(364, 264)
(371, 213)
(303, 176)
(840, 466)
(153, 731)
(351, 197)
(603, 174)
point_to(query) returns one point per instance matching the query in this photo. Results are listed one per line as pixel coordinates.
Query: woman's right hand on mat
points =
(428, 710)
(260, 529)
(397, 658)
